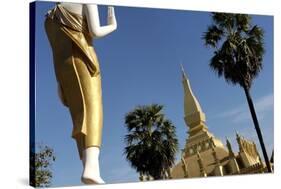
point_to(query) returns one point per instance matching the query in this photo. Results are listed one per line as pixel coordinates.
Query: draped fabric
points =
(75, 26)
(77, 73)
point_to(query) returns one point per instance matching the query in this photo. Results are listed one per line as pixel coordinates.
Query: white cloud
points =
(242, 112)
(240, 117)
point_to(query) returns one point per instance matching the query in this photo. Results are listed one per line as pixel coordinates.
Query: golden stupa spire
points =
(194, 116)
(191, 104)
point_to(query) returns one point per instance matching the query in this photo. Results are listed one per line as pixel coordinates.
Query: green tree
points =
(40, 167)
(238, 54)
(151, 141)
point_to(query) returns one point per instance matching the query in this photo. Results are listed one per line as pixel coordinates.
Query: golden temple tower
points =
(196, 122)
(200, 142)
(204, 154)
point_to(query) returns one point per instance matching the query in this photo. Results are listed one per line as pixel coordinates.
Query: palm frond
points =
(224, 20)
(239, 56)
(242, 22)
(151, 142)
(212, 36)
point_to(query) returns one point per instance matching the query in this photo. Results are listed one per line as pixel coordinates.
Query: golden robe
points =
(78, 74)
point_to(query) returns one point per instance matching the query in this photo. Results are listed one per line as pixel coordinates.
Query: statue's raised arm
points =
(93, 20)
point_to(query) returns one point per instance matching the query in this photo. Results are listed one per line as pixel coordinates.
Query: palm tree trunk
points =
(257, 127)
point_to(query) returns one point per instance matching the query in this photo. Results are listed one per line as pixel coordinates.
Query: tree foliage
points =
(151, 141)
(40, 167)
(238, 54)
(238, 47)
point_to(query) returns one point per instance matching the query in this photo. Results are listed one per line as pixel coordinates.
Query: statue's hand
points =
(111, 20)
(95, 28)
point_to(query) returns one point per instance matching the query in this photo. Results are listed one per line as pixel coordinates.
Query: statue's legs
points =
(89, 135)
(93, 113)
(81, 93)
(92, 104)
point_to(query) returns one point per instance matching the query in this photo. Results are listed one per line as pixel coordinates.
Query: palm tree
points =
(238, 53)
(151, 141)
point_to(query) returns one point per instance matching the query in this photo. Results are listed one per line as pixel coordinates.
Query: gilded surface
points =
(78, 74)
(204, 154)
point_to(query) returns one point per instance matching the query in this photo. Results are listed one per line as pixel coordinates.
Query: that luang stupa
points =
(204, 154)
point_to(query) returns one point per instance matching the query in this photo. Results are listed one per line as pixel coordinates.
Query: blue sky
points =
(140, 64)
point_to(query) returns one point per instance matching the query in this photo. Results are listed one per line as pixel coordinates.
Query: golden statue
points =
(70, 28)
